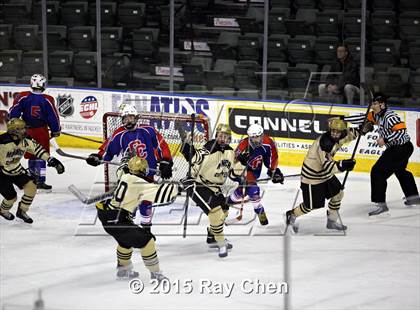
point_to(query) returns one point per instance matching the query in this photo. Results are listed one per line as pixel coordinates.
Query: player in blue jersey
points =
(254, 151)
(143, 141)
(40, 115)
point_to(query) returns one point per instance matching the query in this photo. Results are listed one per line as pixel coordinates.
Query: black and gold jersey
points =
(319, 165)
(211, 164)
(12, 151)
(131, 190)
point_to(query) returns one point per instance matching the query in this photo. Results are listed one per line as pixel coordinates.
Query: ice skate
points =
(381, 209)
(331, 224)
(126, 272)
(291, 221)
(262, 217)
(224, 247)
(412, 201)
(158, 275)
(24, 216)
(44, 187)
(210, 239)
(7, 215)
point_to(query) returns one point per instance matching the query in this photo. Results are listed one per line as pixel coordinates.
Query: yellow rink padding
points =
(287, 158)
(362, 164)
(68, 141)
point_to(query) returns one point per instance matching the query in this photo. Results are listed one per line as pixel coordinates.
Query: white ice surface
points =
(375, 266)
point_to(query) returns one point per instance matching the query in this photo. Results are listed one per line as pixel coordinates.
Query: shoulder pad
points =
(5, 138)
(326, 142)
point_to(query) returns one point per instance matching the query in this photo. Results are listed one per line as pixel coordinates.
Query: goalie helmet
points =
(38, 82)
(138, 166)
(16, 127)
(255, 133)
(129, 116)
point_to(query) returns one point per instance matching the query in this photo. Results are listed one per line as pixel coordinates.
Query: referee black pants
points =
(393, 160)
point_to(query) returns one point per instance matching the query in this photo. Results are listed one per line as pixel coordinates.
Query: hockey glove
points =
(243, 158)
(366, 127)
(94, 159)
(276, 176)
(165, 168)
(187, 183)
(54, 162)
(55, 134)
(346, 164)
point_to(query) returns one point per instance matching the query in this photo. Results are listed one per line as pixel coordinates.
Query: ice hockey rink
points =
(67, 255)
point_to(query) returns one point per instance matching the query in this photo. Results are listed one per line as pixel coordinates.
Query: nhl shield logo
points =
(65, 105)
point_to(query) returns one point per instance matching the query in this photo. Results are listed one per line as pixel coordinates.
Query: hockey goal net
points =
(170, 127)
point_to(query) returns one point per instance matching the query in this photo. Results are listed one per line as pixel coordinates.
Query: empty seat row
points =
(72, 13)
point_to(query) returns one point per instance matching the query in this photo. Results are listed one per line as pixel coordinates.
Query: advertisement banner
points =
(293, 126)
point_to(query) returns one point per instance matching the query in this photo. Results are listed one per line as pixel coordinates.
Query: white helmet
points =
(128, 109)
(38, 82)
(255, 130)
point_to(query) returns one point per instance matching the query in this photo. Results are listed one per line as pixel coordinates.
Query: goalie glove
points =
(276, 176)
(346, 165)
(54, 162)
(94, 159)
(165, 168)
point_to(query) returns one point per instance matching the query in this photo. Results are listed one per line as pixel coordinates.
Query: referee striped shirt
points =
(391, 128)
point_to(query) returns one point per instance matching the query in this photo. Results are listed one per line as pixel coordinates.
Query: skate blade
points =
(43, 191)
(380, 216)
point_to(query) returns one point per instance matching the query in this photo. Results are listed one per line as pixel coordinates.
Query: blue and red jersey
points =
(266, 153)
(145, 142)
(37, 110)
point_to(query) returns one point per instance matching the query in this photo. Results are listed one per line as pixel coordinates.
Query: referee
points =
(393, 135)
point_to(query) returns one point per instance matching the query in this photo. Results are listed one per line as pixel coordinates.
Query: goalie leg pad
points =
(149, 256)
(216, 219)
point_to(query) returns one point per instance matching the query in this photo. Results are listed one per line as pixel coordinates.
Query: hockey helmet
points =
(223, 134)
(38, 82)
(255, 132)
(337, 128)
(138, 166)
(129, 116)
(16, 127)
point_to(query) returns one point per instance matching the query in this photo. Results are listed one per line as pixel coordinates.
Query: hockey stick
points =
(80, 137)
(89, 200)
(65, 154)
(360, 134)
(265, 180)
(187, 199)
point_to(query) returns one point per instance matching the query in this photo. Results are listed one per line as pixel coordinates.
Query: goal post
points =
(168, 125)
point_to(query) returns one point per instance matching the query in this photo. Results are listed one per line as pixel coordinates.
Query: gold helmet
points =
(16, 127)
(138, 166)
(223, 128)
(337, 124)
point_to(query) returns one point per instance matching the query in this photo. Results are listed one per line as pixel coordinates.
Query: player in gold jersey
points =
(318, 181)
(13, 145)
(211, 165)
(116, 217)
